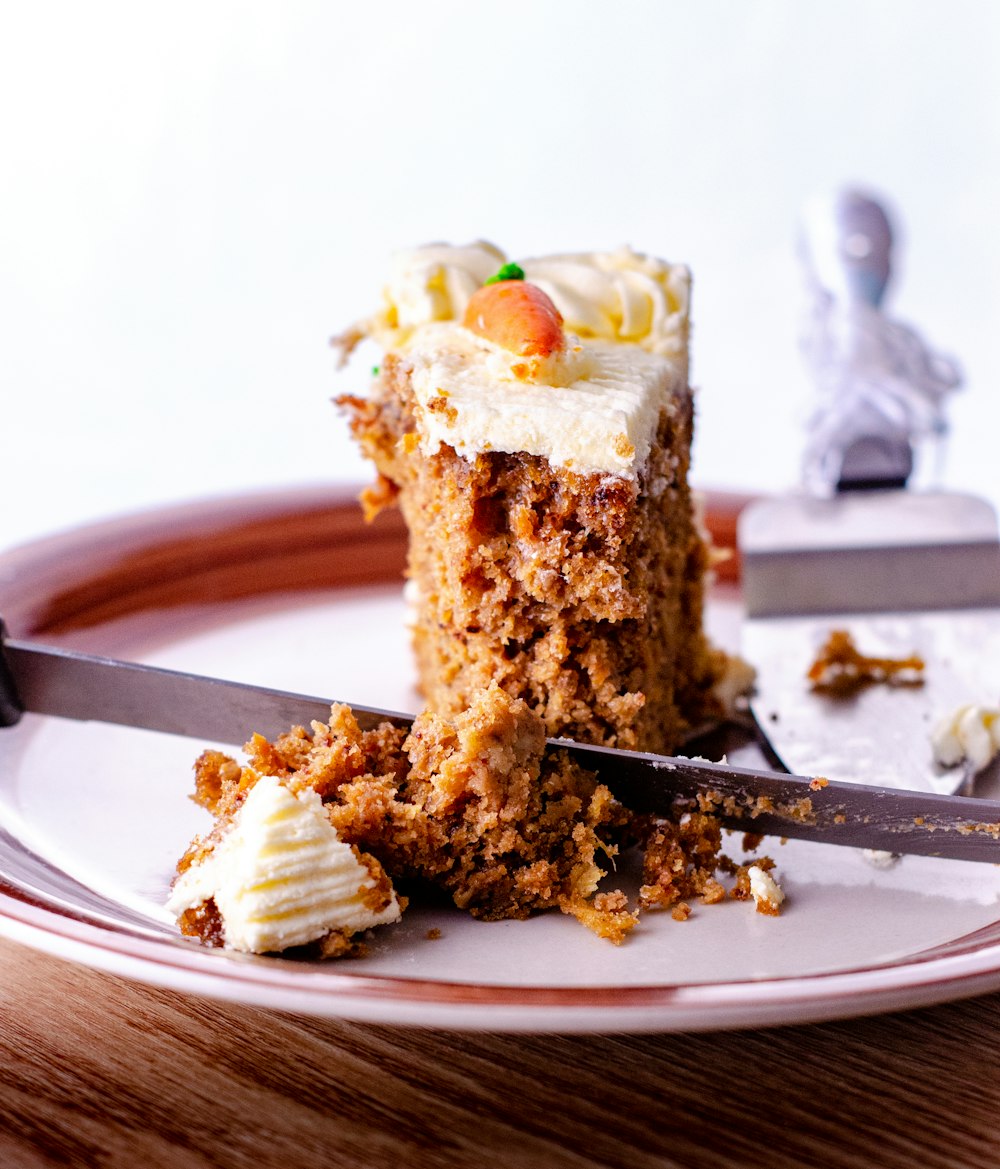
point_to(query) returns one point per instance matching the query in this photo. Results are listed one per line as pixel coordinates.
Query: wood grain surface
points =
(96, 1071)
(101, 1072)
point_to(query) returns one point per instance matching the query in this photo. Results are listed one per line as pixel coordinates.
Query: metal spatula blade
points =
(903, 573)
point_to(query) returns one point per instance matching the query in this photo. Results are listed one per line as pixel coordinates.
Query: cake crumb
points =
(623, 446)
(840, 669)
(755, 883)
(608, 915)
(765, 890)
(680, 860)
(339, 944)
(433, 934)
(818, 783)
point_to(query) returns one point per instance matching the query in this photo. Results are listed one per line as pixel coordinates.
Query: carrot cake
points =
(314, 831)
(307, 829)
(534, 423)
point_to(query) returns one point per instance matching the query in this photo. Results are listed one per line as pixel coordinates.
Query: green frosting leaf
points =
(507, 272)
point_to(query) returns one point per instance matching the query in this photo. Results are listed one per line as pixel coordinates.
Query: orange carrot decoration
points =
(517, 316)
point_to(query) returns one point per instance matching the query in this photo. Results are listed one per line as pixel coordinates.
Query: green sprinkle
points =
(507, 272)
(375, 371)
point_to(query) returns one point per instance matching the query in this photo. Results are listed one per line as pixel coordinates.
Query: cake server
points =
(904, 572)
(46, 680)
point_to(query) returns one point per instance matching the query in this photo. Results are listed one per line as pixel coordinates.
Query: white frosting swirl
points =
(609, 296)
(432, 283)
(619, 296)
(971, 732)
(281, 876)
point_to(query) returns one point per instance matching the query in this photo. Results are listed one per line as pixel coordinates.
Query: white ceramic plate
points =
(94, 818)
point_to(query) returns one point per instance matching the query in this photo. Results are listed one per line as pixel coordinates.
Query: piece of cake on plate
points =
(534, 423)
(311, 833)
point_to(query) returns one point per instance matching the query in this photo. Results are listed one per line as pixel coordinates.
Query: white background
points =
(194, 196)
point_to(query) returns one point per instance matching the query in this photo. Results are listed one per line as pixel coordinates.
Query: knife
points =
(47, 680)
(903, 572)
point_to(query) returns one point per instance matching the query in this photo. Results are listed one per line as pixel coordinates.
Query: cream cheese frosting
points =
(432, 283)
(612, 296)
(601, 417)
(281, 876)
(592, 407)
(969, 733)
(767, 894)
(619, 296)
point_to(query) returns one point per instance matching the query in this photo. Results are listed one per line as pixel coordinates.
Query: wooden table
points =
(97, 1071)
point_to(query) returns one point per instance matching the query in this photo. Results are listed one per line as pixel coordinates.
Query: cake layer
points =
(580, 593)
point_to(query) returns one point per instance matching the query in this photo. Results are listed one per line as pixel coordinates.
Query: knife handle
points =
(862, 436)
(10, 704)
(848, 239)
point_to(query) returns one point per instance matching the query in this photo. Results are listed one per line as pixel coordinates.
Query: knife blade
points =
(49, 680)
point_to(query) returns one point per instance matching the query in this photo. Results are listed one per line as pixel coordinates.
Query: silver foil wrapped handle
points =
(881, 388)
(848, 238)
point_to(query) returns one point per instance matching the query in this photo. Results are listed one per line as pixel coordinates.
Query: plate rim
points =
(822, 995)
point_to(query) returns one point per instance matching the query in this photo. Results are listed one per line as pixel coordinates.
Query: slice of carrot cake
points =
(534, 423)
(307, 830)
(313, 833)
